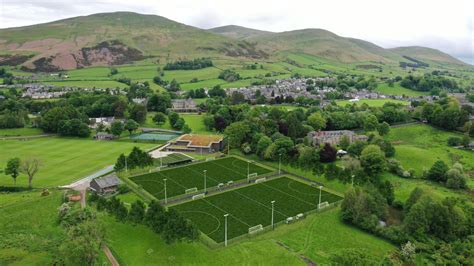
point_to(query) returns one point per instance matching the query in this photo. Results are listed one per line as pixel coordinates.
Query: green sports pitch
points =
(180, 179)
(251, 206)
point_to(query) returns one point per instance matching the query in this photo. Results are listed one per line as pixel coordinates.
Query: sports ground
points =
(179, 179)
(251, 206)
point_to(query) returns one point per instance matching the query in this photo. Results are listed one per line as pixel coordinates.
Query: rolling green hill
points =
(115, 38)
(125, 37)
(428, 54)
(238, 32)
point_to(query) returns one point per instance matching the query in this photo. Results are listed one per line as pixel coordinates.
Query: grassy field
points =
(419, 146)
(25, 131)
(29, 234)
(398, 90)
(194, 121)
(63, 160)
(88, 83)
(316, 237)
(191, 176)
(372, 102)
(250, 206)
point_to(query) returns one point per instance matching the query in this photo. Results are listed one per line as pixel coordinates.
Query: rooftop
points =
(200, 140)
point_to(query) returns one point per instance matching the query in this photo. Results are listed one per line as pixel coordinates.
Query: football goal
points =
(191, 190)
(210, 159)
(323, 205)
(252, 175)
(255, 229)
(260, 180)
(199, 196)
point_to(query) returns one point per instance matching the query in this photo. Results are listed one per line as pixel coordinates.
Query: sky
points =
(444, 25)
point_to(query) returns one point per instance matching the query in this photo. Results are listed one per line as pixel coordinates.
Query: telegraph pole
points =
(225, 217)
(166, 198)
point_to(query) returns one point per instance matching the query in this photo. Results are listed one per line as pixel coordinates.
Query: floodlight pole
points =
(161, 162)
(279, 164)
(320, 188)
(166, 198)
(248, 171)
(205, 189)
(273, 210)
(225, 239)
(126, 168)
(352, 180)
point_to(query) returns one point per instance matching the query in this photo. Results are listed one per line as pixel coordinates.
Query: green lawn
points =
(191, 176)
(89, 83)
(419, 146)
(398, 90)
(194, 121)
(24, 131)
(250, 206)
(372, 102)
(63, 160)
(29, 234)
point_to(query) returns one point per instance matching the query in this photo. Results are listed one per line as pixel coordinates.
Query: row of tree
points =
(136, 159)
(29, 167)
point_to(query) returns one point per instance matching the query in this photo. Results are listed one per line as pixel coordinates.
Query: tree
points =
(30, 167)
(137, 212)
(356, 148)
(308, 157)
(121, 163)
(383, 128)
(455, 179)
(344, 142)
(236, 133)
(159, 118)
(131, 126)
(116, 128)
(371, 123)
(327, 154)
(83, 244)
(13, 169)
(373, 160)
(438, 172)
(262, 145)
(317, 121)
(138, 113)
(173, 117)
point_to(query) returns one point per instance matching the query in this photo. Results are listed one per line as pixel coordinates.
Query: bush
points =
(454, 141)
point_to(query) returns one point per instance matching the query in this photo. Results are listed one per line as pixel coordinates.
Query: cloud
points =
(446, 25)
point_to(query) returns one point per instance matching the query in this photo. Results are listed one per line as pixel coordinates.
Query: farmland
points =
(372, 102)
(63, 160)
(250, 206)
(191, 176)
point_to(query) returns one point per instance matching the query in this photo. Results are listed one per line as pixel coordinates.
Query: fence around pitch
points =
(210, 243)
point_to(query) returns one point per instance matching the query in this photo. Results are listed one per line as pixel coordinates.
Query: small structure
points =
(106, 121)
(334, 137)
(181, 105)
(196, 143)
(104, 136)
(105, 185)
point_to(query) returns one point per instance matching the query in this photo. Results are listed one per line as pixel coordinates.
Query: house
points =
(96, 121)
(334, 137)
(104, 136)
(196, 143)
(181, 105)
(105, 185)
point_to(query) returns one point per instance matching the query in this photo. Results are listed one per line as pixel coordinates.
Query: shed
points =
(106, 184)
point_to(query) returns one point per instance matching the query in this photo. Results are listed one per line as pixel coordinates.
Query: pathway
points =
(110, 256)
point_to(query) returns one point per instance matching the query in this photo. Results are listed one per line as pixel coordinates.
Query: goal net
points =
(255, 229)
(210, 159)
(252, 175)
(191, 190)
(260, 180)
(199, 196)
(323, 205)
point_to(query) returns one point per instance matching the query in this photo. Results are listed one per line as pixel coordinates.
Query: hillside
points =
(238, 32)
(123, 37)
(425, 53)
(324, 44)
(113, 38)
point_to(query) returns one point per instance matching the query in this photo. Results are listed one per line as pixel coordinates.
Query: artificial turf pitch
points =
(191, 176)
(251, 206)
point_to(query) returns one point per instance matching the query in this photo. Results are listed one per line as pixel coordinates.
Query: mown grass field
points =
(25, 131)
(372, 102)
(63, 160)
(191, 176)
(420, 146)
(251, 206)
(398, 90)
(194, 121)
